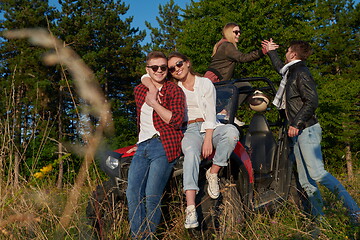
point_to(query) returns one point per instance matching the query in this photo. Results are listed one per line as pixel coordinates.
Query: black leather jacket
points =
(300, 92)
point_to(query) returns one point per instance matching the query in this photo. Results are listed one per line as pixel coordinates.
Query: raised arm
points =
(269, 45)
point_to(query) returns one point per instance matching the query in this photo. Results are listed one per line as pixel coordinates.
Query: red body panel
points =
(245, 158)
(124, 150)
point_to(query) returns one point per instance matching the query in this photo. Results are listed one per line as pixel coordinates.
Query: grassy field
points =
(36, 209)
(33, 211)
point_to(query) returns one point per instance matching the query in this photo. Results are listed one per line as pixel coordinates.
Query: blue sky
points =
(147, 10)
(143, 10)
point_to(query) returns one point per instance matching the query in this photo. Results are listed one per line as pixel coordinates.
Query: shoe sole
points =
(194, 225)
(211, 194)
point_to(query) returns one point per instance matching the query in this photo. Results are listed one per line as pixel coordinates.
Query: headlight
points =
(112, 162)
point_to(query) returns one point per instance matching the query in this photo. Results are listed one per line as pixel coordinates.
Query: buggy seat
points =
(261, 146)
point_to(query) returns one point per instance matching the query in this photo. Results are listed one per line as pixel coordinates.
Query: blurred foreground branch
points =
(88, 89)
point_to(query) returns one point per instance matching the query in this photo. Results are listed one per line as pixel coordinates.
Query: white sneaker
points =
(221, 116)
(191, 217)
(213, 187)
(238, 122)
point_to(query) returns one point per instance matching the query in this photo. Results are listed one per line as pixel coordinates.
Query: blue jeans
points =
(148, 175)
(224, 139)
(310, 167)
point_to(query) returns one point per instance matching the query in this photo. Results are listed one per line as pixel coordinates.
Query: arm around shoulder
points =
(177, 106)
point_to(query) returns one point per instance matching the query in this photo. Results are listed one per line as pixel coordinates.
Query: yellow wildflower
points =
(46, 169)
(39, 175)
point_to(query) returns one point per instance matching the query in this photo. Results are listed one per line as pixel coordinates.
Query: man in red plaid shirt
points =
(159, 120)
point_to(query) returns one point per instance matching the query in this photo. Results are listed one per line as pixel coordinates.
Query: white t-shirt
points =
(147, 129)
(192, 110)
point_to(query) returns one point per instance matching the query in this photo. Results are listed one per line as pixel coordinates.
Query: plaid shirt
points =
(173, 99)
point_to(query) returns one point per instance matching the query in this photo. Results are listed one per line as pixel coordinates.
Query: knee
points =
(318, 176)
(232, 134)
(133, 194)
(309, 188)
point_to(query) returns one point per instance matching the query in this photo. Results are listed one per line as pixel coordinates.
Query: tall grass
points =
(34, 211)
(37, 209)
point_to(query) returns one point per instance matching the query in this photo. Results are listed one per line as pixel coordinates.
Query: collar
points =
(284, 69)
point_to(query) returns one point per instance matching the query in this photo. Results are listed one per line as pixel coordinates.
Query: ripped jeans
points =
(224, 140)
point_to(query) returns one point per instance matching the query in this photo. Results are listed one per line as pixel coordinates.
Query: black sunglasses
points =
(155, 68)
(237, 32)
(179, 64)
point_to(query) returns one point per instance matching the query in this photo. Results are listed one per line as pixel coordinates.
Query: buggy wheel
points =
(104, 208)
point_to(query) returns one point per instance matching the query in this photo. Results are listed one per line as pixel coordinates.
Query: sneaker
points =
(213, 187)
(221, 116)
(238, 122)
(191, 217)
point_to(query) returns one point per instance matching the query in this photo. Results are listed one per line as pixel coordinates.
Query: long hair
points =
(185, 59)
(227, 34)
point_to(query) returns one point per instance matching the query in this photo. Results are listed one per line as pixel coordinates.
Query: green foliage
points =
(165, 37)
(27, 103)
(38, 103)
(203, 22)
(336, 38)
(332, 27)
(339, 116)
(108, 44)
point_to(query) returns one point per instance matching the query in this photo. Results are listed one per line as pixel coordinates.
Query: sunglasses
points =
(179, 64)
(237, 32)
(155, 68)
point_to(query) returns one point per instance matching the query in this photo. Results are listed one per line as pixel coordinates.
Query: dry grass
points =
(34, 212)
(88, 90)
(39, 210)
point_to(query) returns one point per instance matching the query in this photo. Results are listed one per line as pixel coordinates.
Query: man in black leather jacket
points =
(297, 95)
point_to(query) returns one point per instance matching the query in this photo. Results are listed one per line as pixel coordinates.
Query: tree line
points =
(40, 117)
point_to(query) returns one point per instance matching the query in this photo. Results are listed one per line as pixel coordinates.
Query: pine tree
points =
(337, 66)
(111, 48)
(27, 86)
(108, 44)
(165, 37)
